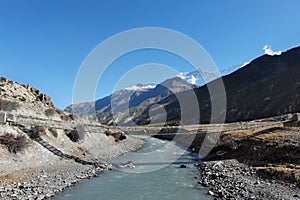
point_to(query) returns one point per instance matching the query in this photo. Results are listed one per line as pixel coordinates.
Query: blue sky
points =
(43, 42)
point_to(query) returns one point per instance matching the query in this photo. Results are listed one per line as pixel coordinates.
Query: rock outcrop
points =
(23, 93)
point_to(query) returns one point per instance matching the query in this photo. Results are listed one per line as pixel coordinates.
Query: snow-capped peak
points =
(197, 77)
(141, 87)
(189, 77)
(200, 77)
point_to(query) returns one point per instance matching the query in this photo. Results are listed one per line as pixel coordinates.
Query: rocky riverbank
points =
(45, 150)
(230, 179)
(49, 180)
(254, 164)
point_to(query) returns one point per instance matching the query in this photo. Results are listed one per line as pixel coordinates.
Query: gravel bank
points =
(46, 181)
(229, 179)
(49, 181)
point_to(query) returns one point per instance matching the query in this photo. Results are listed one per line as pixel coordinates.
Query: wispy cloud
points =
(269, 51)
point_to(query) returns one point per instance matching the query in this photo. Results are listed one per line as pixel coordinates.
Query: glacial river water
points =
(153, 177)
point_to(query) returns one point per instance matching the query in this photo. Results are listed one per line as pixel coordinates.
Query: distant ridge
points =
(129, 102)
(267, 86)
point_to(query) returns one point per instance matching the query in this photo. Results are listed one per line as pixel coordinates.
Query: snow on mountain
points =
(197, 77)
(200, 77)
(141, 87)
(190, 77)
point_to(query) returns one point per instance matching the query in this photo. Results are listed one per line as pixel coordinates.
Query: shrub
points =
(107, 133)
(118, 136)
(73, 116)
(70, 117)
(8, 106)
(65, 117)
(36, 132)
(53, 131)
(59, 111)
(72, 135)
(13, 143)
(50, 112)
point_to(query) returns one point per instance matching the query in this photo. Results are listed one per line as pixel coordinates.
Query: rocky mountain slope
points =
(103, 105)
(38, 138)
(102, 110)
(267, 86)
(122, 106)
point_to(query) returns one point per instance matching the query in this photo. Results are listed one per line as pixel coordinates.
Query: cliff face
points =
(23, 93)
(23, 101)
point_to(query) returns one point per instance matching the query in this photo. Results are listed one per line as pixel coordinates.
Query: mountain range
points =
(267, 86)
(140, 96)
(125, 105)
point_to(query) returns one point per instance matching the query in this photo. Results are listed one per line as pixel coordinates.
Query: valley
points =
(46, 150)
(149, 100)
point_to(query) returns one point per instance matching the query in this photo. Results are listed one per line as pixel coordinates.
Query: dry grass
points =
(79, 155)
(266, 133)
(284, 172)
(239, 134)
(82, 152)
(292, 128)
(271, 135)
(19, 176)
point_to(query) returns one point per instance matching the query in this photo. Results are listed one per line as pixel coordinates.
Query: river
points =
(152, 178)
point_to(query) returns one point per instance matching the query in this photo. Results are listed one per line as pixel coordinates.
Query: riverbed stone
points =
(230, 179)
